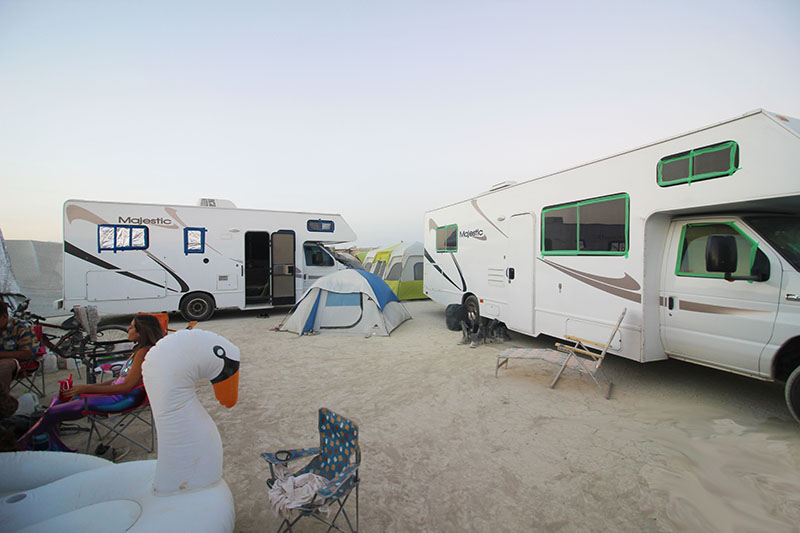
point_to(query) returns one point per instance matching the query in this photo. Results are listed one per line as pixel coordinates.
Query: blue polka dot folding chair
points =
(336, 460)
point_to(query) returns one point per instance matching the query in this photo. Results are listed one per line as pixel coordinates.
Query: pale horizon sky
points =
(375, 110)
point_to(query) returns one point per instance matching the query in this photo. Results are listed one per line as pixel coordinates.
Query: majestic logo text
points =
(472, 234)
(139, 220)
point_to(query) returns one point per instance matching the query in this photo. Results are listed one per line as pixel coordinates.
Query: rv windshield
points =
(783, 233)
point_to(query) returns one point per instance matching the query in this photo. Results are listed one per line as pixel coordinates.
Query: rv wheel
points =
(473, 309)
(793, 393)
(197, 306)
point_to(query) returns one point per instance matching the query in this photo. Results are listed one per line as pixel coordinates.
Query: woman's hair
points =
(149, 329)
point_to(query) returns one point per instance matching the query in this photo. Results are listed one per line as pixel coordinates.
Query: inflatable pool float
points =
(182, 490)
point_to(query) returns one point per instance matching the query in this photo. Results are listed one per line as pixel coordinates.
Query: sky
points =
(375, 110)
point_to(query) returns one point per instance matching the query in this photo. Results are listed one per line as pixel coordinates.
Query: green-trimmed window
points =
(447, 238)
(598, 226)
(704, 163)
(692, 256)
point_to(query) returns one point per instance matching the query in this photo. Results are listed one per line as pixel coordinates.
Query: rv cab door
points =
(706, 318)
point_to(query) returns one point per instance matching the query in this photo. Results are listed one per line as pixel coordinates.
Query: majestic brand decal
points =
(472, 234)
(139, 220)
(74, 212)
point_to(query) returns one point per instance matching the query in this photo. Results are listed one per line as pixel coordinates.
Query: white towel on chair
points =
(291, 492)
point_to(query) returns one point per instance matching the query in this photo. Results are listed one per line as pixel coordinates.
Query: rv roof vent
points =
(214, 202)
(502, 185)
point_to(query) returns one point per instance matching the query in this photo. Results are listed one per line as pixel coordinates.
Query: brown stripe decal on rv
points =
(616, 286)
(698, 307)
(481, 213)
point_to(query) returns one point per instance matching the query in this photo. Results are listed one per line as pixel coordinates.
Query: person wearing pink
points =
(123, 393)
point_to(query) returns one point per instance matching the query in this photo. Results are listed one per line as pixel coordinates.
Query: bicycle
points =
(110, 341)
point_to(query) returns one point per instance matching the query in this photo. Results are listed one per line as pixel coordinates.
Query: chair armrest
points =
(584, 341)
(293, 455)
(337, 482)
(28, 365)
(575, 349)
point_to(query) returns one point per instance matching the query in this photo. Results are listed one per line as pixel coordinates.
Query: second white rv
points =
(125, 258)
(698, 236)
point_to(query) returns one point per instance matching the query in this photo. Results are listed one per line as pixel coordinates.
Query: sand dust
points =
(446, 446)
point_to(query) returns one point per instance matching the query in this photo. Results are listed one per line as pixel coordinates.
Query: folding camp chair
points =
(336, 459)
(32, 369)
(580, 351)
(118, 424)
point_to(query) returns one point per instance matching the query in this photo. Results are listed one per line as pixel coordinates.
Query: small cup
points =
(64, 385)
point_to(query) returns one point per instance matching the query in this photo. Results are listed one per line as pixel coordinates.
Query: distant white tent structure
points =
(8, 283)
(352, 302)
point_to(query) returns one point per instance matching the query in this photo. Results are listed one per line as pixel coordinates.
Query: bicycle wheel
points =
(115, 336)
(110, 345)
(112, 333)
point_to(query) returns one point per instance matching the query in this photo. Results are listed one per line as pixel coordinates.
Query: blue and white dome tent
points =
(351, 302)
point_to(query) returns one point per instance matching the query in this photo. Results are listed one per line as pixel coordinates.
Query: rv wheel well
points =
(195, 293)
(787, 359)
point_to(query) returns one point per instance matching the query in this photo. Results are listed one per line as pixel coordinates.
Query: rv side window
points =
(115, 237)
(194, 240)
(692, 256)
(317, 256)
(320, 225)
(703, 163)
(447, 238)
(597, 226)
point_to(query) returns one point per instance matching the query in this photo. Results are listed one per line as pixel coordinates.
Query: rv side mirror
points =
(721, 253)
(759, 271)
(721, 256)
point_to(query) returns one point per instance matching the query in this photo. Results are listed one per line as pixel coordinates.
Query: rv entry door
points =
(283, 268)
(519, 273)
(256, 267)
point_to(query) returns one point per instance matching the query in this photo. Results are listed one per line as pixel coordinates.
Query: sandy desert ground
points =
(446, 446)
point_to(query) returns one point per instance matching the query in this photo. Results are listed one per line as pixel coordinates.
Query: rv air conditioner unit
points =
(215, 202)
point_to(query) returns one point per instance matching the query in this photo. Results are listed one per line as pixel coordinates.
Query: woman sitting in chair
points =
(125, 392)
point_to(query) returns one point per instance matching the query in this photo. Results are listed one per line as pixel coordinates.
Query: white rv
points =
(126, 258)
(698, 236)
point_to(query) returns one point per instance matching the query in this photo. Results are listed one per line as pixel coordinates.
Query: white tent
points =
(8, 283)
(352, 302)
(403, 271)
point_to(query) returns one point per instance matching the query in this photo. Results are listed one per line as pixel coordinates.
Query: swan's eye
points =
(219, 351)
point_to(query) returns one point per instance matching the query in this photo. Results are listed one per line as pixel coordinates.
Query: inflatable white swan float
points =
(182, 490)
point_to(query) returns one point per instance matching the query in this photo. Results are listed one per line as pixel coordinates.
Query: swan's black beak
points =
(226, 384)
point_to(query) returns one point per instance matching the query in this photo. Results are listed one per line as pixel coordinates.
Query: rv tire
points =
(473, 310)
(793, 393)
(197, 306)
